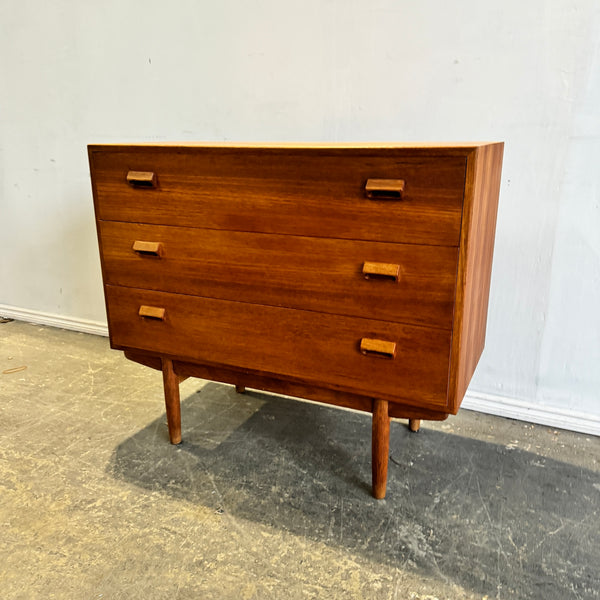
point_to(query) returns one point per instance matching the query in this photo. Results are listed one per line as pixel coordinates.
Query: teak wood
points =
(375, 269)
(355, 275)
(380, 442)
(309, 192)
(141, 178)
(293, 343)
(384, 188)
(344, 277)
(147, 248)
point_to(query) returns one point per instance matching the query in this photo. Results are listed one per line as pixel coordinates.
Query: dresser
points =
(355, 275)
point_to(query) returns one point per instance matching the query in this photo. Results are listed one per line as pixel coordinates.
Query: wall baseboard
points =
(491, 404)
(42, 318)
(532, 412)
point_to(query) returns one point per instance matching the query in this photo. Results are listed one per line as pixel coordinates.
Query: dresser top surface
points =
(446, 147)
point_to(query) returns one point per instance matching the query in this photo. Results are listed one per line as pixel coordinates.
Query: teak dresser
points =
(355, 275)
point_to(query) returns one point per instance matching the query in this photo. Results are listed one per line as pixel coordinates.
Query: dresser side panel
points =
(484, 167)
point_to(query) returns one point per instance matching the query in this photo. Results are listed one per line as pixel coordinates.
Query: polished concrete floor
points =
(269, 497)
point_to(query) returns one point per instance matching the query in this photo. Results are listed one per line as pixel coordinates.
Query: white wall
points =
(74, 72)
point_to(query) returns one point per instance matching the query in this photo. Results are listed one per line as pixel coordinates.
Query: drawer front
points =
(303, 345)
(320, 193)
(393, 282)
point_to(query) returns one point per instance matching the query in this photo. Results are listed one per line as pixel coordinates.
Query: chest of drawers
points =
(356, 275)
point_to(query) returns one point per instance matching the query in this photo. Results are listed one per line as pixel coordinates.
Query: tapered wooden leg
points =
(240, 389)
(380, 447)
(172, 405)
(414, 424)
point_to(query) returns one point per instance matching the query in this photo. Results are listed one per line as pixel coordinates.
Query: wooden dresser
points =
(356, 275)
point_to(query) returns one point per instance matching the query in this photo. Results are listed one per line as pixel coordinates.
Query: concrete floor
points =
(269, 497)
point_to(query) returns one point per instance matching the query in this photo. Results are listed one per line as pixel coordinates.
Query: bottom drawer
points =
(311, 347)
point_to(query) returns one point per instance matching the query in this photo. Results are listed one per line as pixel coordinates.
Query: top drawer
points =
(311, 192)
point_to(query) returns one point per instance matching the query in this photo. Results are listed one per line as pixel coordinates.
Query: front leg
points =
(380, 447)
(171, 384)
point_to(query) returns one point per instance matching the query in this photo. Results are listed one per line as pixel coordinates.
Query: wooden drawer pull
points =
(384, 189)
(152, 312)
(148, 248)
(380, 348)
(141, 179)
(375, 270)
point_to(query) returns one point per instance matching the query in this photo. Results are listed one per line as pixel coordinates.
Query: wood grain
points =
(141, 178)
(291, 271)
(484, 168)
(316, 193)
(286, 386)
(152, 312)
(380, 447)
(374, 270)
(269, 266)
(382, 348)
(172, 402)
(385, 189)
(310, 346)
(147, 248)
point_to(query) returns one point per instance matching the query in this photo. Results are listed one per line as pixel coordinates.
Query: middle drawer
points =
(385, 281)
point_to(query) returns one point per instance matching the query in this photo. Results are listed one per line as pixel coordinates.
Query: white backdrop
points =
(77, 71)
